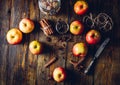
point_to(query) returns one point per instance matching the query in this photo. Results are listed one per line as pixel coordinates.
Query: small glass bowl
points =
(62, 27)
(49, 7)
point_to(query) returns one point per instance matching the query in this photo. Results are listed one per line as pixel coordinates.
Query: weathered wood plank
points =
(4, 27)
(15, 71)
(107, 62)
(103, 69)
(31, 60)
(55, 43)
(75, 76)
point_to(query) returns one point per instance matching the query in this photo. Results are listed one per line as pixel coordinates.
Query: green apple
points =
(35, 47)
(76, 27)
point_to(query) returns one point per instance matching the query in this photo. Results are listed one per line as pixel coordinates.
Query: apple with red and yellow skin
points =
(93, 37)
(80, 7)
(14, 36)
(26, 25)
(80, 49)
(76, 27)
(59, 74)
(36, 47)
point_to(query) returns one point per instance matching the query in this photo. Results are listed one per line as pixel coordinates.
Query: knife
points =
(97, 54)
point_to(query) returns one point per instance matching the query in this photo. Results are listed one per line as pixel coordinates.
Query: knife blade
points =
(97, 54)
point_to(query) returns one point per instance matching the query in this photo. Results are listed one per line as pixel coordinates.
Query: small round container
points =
(62, 27)
(49, 7)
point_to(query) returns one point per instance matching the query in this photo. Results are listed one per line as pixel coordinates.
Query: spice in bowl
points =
(49, 7)
(62, 27)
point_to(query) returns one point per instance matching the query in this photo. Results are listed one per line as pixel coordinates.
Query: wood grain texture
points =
(18, 66)
(4, 26)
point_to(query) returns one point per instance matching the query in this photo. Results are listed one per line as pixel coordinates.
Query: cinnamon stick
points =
(76, 64)
(51, 61)
(46, 27)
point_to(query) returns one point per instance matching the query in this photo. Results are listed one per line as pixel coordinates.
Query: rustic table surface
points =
(19, 67)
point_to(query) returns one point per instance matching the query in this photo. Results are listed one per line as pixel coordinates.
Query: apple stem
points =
(93, 35)
(81, 6)
(25, 24)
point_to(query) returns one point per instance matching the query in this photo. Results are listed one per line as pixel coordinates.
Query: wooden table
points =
(19, 67)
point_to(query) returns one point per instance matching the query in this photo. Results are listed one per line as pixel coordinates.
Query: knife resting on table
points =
(97, 54)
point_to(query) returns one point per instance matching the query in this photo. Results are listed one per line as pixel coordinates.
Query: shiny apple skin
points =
(36, 47)
(76, 27)
(26, 25)
(93, 37)
(14, 36)
(80, 49)
(80, 7)
(59, 74)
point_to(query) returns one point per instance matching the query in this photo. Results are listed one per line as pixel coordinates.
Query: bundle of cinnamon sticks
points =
(46, 27)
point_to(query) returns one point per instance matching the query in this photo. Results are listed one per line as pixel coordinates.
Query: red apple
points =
(59, 74)
(76, 27)
(14, 36)
(80, 7)
(93, 37)
(35, 47)
(80, 49)
(26, 25)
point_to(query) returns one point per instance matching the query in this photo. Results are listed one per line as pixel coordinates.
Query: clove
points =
(51, 61)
